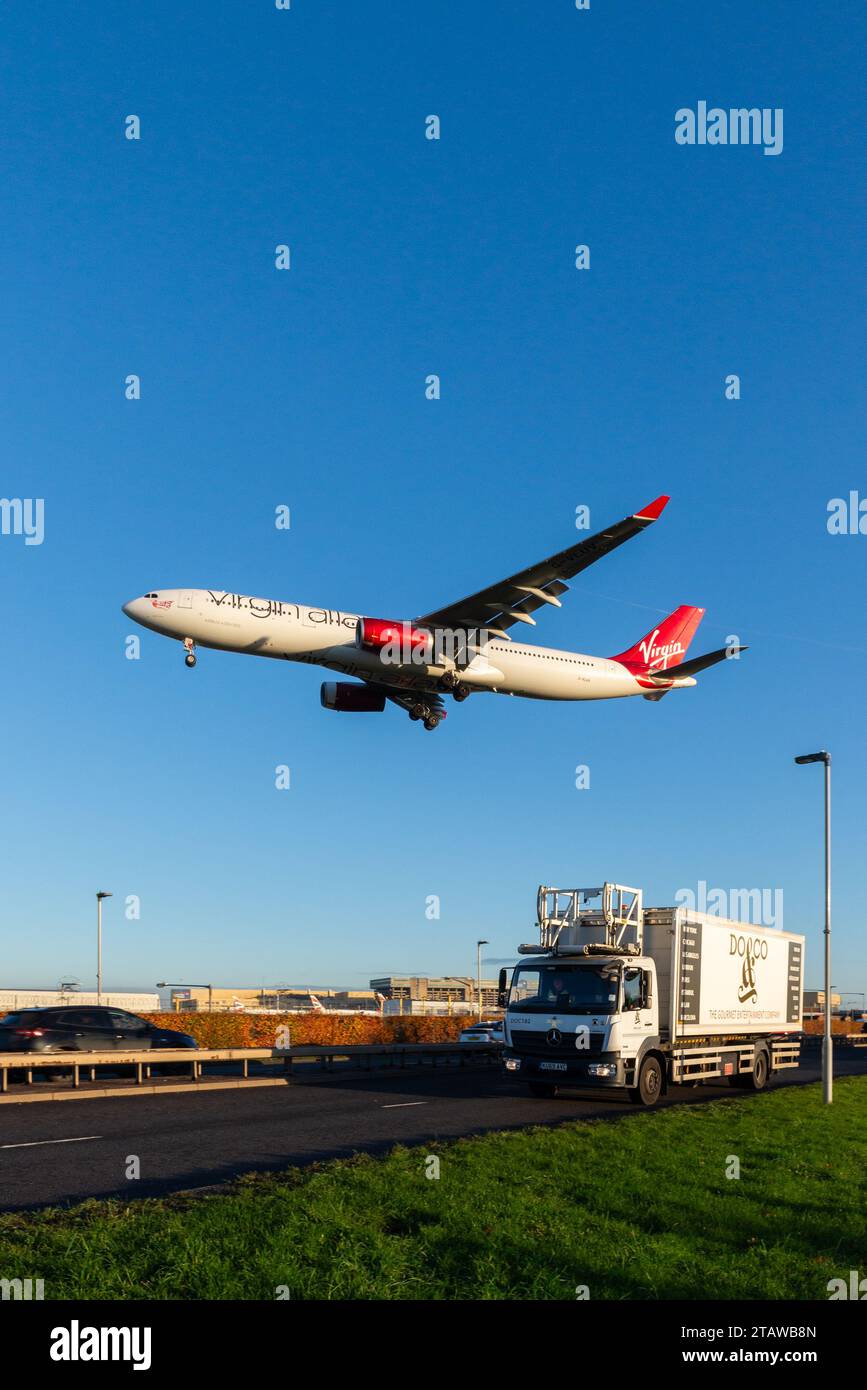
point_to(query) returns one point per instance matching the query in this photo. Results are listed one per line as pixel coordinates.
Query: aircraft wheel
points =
(460, 693)
(431, 722)
(189, 660)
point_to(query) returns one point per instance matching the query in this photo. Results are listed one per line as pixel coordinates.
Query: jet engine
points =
(372, 634)
(351, 698)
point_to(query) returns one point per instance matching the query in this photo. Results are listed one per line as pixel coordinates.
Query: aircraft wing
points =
(515, 599)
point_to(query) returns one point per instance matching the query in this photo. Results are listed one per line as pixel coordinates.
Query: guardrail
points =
(144, 1062)
(838, 1039)
(397, 1054)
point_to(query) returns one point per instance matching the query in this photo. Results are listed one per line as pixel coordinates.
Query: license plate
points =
(552, 1066)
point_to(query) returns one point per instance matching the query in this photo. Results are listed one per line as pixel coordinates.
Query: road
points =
(67, 1151)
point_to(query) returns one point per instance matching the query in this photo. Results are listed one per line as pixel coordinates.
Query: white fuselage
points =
(326, 637)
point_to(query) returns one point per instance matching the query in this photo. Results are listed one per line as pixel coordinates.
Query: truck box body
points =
(719, 977)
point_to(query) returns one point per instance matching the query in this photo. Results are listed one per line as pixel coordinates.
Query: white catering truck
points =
(624, 997)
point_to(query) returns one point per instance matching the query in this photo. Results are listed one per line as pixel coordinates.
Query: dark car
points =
(84, 1028)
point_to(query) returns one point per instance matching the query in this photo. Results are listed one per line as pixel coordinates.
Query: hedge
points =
(259, 1030)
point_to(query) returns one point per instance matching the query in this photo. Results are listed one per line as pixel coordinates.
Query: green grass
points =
(639, 1208)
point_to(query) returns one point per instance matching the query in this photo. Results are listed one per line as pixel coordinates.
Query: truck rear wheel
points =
(649, 1087)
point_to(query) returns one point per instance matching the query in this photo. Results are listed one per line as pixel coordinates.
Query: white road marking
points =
(37, 1143)
(403, 1105)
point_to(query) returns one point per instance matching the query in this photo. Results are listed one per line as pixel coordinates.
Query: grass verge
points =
(639, 1208)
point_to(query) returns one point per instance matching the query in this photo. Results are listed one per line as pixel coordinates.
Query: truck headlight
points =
(513, 1064)
(602, 1069)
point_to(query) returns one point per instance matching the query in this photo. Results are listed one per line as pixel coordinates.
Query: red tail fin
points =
(664, 646)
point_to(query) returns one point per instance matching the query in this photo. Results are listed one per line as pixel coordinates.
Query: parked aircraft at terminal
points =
(458, 650)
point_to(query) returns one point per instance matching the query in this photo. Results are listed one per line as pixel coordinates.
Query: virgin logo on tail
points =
(652, 654)
(666, 644)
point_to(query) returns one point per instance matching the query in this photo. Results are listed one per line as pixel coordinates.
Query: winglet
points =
(653, 511)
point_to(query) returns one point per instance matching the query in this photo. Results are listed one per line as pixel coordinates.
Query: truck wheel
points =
(759, 1078)
(541, 1091)
(649, 1087)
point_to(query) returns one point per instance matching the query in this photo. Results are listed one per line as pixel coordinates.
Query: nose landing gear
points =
(190, 658)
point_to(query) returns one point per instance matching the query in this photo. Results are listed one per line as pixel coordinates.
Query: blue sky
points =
(306, 388)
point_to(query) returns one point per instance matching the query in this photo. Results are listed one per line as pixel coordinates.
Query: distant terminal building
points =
(13, 999)
(456, 994)
(273, 999)
(814, 1001)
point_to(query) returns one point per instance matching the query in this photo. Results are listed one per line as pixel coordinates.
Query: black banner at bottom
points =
(65, 1339)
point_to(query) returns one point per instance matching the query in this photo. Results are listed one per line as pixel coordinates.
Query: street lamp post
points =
(99, 898)
(479, 945)
(858, 994)
(827, 1046)
(466, 984)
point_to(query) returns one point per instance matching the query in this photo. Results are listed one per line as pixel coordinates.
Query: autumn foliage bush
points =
(260, 1030)
(838, 1025)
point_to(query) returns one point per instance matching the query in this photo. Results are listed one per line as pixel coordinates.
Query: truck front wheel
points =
(649, 1087)
(759, 1078)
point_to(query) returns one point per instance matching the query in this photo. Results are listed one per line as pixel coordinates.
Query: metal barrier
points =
(838, 1039)
(144, 1061)
(394, 1055)
(397, 1054)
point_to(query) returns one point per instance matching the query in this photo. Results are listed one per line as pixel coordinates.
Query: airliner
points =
(462, 649)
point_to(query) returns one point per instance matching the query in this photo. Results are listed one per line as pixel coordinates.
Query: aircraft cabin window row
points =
(543, 656)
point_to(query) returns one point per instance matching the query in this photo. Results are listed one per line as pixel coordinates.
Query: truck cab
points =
(580, 1022)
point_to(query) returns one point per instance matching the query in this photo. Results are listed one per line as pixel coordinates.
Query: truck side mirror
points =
(503, 988)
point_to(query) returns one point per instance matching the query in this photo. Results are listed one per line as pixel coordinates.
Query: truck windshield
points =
(575, 989)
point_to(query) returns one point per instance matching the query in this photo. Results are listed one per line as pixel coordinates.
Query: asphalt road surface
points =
(63, 1152)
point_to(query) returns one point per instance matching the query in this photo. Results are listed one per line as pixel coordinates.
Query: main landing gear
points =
(454, 686)
(190, 658)
(430, 717)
